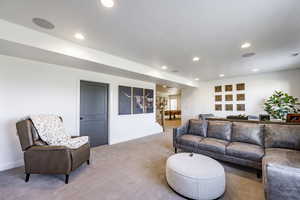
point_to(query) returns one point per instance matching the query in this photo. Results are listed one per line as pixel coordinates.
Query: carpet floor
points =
(133, 170)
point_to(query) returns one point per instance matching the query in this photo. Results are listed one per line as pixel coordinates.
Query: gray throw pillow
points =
(219, 129)
(198, 127)
(248, 132)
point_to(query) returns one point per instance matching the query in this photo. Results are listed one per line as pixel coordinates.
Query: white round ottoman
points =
(195, 176)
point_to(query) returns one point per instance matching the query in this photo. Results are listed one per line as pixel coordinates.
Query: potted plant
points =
(280, 104)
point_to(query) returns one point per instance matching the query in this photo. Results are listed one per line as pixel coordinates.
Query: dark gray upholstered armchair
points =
(274, 148)
(41, 158)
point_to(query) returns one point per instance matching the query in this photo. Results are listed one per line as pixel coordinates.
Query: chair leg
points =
(258, 174)
(88, 162)
(67, 179)
(27, 178)
(175, 150)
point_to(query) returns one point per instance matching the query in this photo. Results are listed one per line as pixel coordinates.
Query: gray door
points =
(93, 112)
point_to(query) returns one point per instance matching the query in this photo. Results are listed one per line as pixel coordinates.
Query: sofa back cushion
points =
(251, 133)
(282, 136)
(198, 127)
(219, 129)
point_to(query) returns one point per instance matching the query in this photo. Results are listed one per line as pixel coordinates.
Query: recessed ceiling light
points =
(196, 79)
(164, 67)
(107, 3)
(245, 45)
(196, 59)
(222, 75)
(79, 36)
(255, 70)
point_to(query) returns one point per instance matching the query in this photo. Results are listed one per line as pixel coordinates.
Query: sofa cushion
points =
(245, 151)
(197, 127)
(282, 158)
(248, 132)
(189, 140)
(282, 136)
(219, 129)
(213, 144)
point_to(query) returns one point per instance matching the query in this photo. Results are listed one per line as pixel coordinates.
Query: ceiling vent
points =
(246, 55)
(43, 23)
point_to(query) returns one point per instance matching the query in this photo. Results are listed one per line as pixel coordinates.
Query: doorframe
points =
(108, 105)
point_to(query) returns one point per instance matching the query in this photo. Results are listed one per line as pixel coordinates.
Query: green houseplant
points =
(280, 104)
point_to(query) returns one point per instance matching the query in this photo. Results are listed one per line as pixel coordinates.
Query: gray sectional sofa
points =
(273, 149)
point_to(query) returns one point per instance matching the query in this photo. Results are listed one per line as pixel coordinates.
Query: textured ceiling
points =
(172, 32)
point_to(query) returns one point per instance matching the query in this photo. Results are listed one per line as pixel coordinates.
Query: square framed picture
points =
(228, 88)
(240, 97)
(240, 86)
(218, 107)
(218, 98)
(228, 97)
(218, 88)
(240, 107)
(229, 107)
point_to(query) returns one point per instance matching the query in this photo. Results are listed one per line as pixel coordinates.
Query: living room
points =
(111, 99)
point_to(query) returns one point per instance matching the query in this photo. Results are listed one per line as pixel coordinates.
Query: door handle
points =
(81, 118)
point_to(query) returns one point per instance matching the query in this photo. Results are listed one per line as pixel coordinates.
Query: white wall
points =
(258, 87)
(29, 87)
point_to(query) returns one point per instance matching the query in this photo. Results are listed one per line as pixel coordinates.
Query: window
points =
(173, 104)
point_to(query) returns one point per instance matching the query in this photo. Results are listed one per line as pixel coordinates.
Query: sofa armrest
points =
(48, 160)
(177, 132)
(73, 137)
(282, 181)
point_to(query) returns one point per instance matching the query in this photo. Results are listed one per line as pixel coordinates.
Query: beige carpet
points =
(132, 170)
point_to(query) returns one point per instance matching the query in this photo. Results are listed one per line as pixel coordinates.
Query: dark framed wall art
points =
(218, 98)
(240, 107)
(125, 100)
(149, 97)
(138, 100)
(240, 86)
(230, 97)
(218, 88)
(228, 88)
(218, 107)
(229, 107)
(240, 97)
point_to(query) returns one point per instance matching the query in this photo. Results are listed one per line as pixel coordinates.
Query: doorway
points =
(94, 112)
(168, 106)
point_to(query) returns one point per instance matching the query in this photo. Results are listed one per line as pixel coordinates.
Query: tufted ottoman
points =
(195, 176)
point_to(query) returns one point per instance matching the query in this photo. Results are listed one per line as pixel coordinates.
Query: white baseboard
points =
(11, 165)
